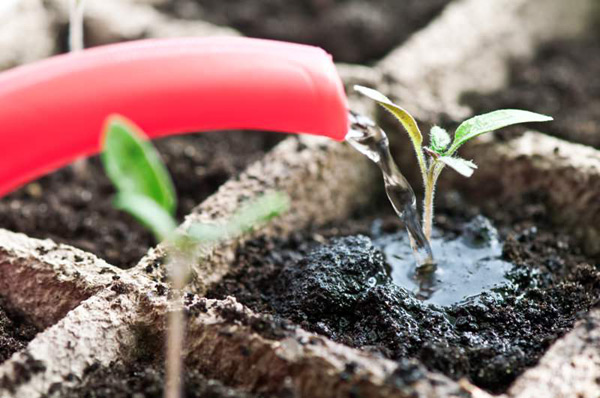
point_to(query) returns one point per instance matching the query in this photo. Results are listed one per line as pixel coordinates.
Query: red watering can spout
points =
(52, 112)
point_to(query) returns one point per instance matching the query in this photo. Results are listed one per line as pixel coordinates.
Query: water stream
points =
(370, 140)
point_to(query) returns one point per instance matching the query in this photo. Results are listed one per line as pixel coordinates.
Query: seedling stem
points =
(76, 25)
(76, 44)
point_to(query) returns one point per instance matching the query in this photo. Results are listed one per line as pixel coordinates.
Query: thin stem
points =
(76, 25)
(76, 44)
(430, 182)
(175, 330)
(428, 203)
(428, 209)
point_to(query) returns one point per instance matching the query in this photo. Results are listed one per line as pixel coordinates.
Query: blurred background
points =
(354, 31)
(76, 208)
(498, 54)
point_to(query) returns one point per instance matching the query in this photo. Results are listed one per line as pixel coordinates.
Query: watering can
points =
(52, 111)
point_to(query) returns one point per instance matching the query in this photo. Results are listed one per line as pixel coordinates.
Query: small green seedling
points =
(442, 148)
(145, 190)
(144, 187)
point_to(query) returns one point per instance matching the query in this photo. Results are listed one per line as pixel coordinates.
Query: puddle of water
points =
(466, 266)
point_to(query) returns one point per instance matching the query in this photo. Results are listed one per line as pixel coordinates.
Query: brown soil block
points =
(561, 81)
(15, 331)
(77, 209)
(352, 31)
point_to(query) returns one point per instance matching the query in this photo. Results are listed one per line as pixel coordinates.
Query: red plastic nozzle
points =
(52, 112)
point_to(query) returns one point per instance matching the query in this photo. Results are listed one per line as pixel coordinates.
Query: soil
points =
(335, 282)
(77, 209)
(140, 380)
(562, 81)
(351, 30)
(15, 331)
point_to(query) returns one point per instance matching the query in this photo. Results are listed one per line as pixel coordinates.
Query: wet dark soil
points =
(141, 380)
(351, 30)
(562, 81)
(15, 331)
(336, 282)
(77, 209)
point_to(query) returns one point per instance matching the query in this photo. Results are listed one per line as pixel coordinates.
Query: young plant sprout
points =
(76, 8)
(442, 149)
(145, 190)
(76, 24)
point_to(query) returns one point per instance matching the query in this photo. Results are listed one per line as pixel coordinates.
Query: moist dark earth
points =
(335, 282)
(142, 379)
(351, 30)
(77, 209)
(15, 331)
(562, 81)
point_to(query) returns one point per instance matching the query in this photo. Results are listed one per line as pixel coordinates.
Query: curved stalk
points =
(422, 163)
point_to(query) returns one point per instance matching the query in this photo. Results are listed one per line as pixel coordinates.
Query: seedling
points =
(76, 8)
(145, 190)
(442, 149)
(76, 24)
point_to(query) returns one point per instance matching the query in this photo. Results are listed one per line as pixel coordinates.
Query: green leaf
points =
(208, 233)
(147, 212)
(462, 166)
(405, 118)
(133, 164)
(439, 138)
(481, 124)
(259, 211)
(256, 212)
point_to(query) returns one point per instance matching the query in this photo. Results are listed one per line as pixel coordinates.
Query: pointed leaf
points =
(208, 233)
(133, 164)
(462, 166)
(481, 124)
(148, 212)
(405, 118)
(249, 216)
(261, 210)
(439, 138)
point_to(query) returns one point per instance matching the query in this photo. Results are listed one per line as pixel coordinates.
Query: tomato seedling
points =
(441, 151)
